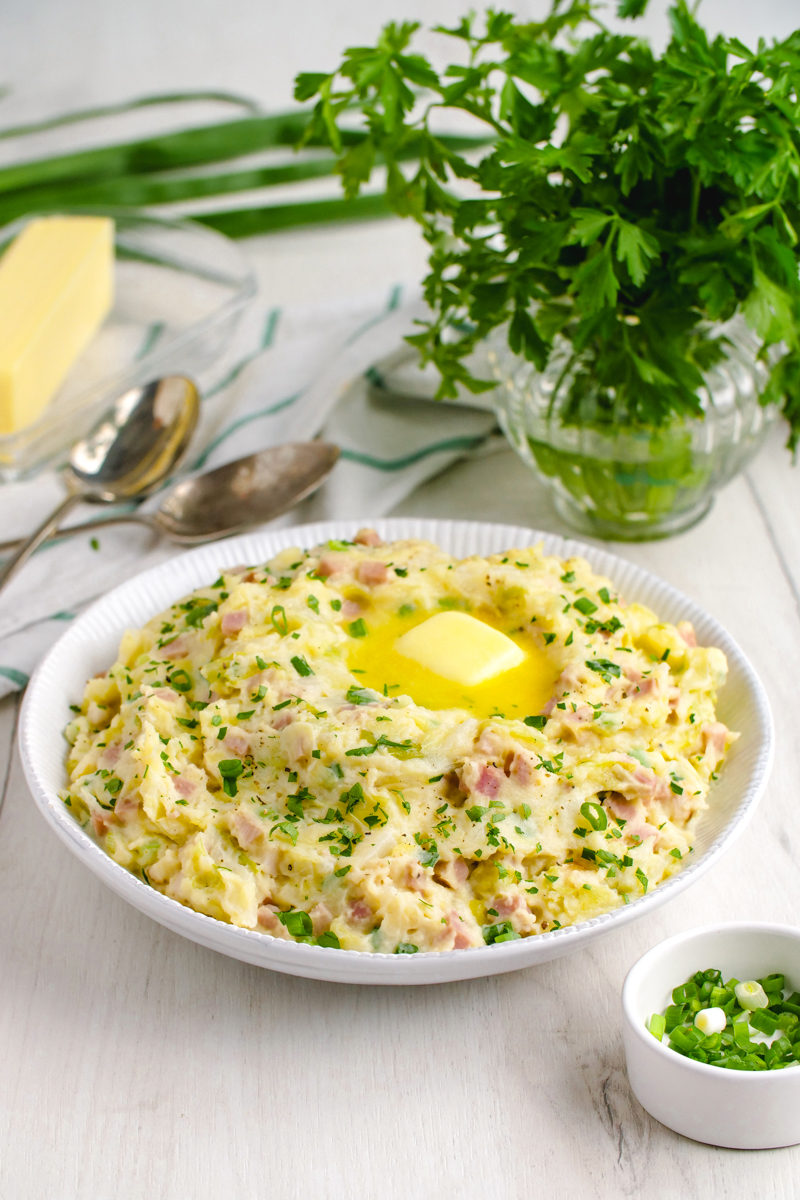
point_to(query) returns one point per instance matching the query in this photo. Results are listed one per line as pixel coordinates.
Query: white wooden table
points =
(134, 1064)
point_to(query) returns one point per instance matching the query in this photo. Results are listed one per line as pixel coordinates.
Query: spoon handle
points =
(61, 535)
(30, 544)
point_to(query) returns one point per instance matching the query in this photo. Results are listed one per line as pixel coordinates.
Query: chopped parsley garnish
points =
(401, 571)
(610, 626)
(287, 829)
(405, 749)
(313, 604)
(585, 605)
(430, 851)
(501, 931)
(336, 605)
(357, 628)
(476, 812)
(554, 765)
(406, 948)
(535, 722)
(604, 667)
(298, 924)
(604, 596)
(569, 577)
(549, 638)
(230, 769)
(301, 666)
(197, 615)
(359, 695)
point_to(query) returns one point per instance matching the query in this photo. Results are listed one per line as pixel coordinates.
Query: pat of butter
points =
(461, 648)
(56, 287)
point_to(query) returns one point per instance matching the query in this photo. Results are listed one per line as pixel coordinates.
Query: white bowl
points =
(745, 1110)
(90, 645)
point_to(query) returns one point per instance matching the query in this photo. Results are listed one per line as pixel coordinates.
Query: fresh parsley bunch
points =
(627, 202)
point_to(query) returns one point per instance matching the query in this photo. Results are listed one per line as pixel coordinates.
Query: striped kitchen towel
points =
(307, 371)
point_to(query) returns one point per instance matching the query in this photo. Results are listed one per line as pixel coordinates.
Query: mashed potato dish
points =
(378, 747)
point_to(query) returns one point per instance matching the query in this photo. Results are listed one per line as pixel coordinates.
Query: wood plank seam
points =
(11, 747)
(776, 546)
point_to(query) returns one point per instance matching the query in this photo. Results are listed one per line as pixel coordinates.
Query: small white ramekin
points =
(744, 1110)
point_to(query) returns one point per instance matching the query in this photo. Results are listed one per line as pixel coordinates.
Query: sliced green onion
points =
(751, 995)
(279, 621)
(595, 815)
(657, 1025)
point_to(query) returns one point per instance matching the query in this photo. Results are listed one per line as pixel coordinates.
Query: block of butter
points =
(56, 287)
(458, 647)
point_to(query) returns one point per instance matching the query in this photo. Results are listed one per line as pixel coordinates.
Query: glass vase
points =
(637, 482)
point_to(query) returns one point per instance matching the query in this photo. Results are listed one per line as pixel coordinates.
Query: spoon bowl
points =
(129, 453)
(137, 443)
(244, 493)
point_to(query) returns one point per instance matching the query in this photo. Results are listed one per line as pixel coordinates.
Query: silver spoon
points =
(129, 453)
(236, 496)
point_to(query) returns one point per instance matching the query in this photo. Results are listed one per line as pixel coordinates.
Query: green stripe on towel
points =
(18, 678)
(399, 464)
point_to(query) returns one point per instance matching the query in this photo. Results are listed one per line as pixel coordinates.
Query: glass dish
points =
(179, 292)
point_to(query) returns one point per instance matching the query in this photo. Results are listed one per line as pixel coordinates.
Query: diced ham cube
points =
(360, 914)
(178, 648)
(368, 537)
(321, 918)
(237, 742)
(415, 877)
(245, 829)
(233, 621)
(489, 781)
(451, 872)
(457, 929)
(371, 572)
(333, 564)
(715, 735)
(504, 906)
(268, 919)
(100, 824)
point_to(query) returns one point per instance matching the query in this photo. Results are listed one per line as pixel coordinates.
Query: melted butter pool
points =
(518, 693)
